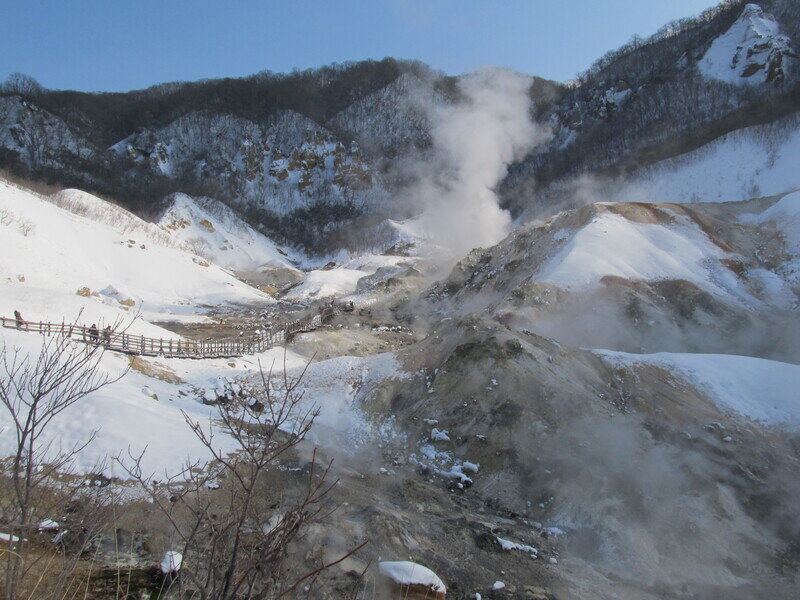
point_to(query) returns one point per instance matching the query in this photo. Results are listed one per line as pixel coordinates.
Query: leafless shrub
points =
(34, 390)
(25, 227)
(236, 540)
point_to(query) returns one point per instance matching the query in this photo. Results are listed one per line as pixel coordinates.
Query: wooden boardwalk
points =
(175, 348)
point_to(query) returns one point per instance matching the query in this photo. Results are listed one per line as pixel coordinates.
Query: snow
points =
(772, 288)
(498, 585)
(784, 215)
(327, 283)
(7, 537)
(746, 163)
(217, 233)
(98, 210)
(509, 545)
(48, 525)
(409, 573)
(470, 466)
(335, 386)
(438, 435)
(171, 563)
(752, 41)
(48, 254)
(342, 280)
(755, 388)
(373, 262)
(613, 245)
(455, 472)
(126, 421)
(143, 413)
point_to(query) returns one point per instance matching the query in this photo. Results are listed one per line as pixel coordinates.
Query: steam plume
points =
(474, 140)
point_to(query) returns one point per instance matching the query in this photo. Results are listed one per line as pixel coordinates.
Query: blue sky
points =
(117, 45)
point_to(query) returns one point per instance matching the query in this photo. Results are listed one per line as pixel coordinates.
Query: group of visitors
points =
(94, 334)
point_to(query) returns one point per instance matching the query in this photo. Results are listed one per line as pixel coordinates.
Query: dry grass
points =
(640, 212)
(155, 370)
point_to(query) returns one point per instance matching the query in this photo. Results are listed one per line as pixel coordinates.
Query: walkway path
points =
(172, 348)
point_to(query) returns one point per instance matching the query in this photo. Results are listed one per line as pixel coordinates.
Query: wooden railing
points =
(176, 348)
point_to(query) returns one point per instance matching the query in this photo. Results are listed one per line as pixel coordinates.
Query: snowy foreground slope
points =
(75, 254)
(144, 411)
(54, 263)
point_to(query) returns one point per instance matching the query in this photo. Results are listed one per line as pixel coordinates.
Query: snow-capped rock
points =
(752, 51)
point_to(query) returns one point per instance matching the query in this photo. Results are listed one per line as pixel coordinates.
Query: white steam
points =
(474, 141)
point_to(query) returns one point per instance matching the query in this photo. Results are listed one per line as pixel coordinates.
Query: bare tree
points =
(35, 390)
(19, 83)
(236, 538)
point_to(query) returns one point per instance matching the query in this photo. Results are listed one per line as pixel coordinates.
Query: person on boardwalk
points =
(107, 335)
(18, 318)
(94, 334)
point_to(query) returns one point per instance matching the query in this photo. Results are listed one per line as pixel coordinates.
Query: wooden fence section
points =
(145, 346)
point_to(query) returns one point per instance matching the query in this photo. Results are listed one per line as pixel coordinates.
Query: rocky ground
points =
(503, 449)
(601, 482)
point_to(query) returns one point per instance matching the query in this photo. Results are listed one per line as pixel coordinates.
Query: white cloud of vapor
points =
(474, 141)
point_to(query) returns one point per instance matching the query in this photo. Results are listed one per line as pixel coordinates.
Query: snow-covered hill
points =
(393, 119)
(40, 138)
(96, 209)
(55, 263)
(613, 244)
(585, 249)
(751, 388)
(643, 277)
(746, 163)
(214, 231)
